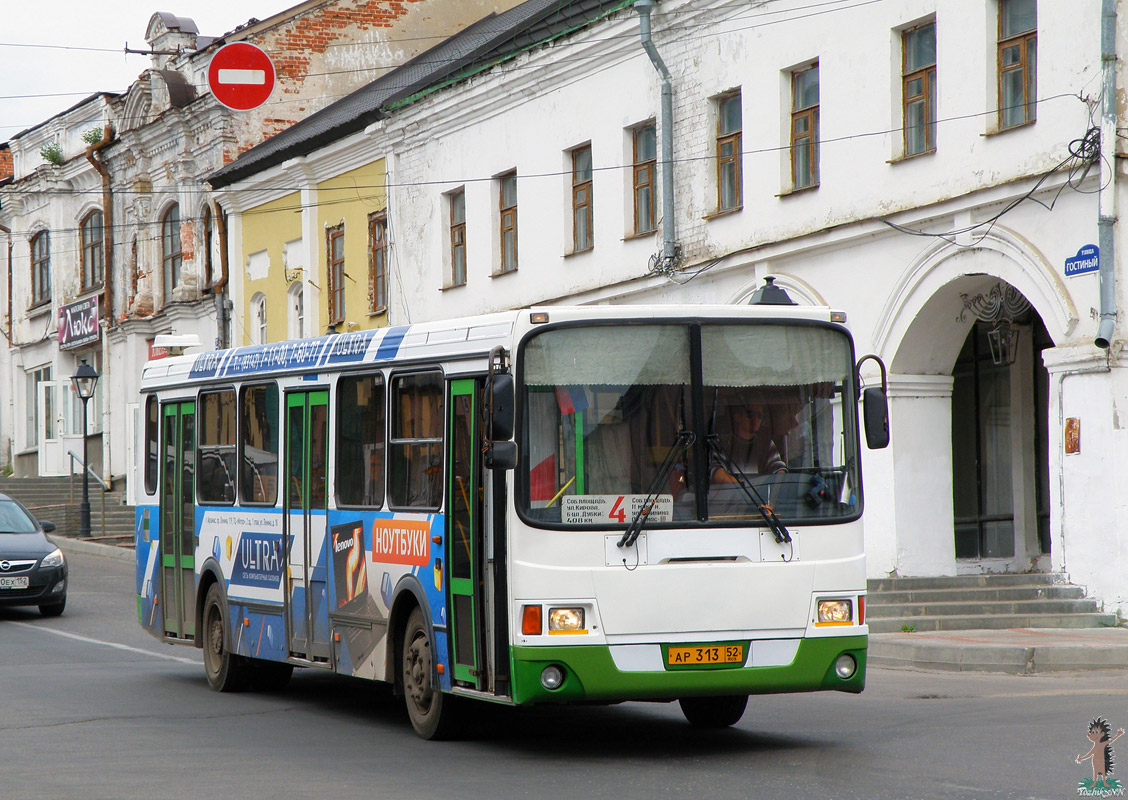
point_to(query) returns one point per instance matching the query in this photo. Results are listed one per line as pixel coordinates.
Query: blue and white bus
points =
(549, 505)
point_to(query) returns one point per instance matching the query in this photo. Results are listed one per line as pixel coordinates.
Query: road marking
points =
(115, 645)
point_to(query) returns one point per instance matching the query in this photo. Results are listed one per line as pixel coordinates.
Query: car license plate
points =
(14, 583)
(705, 655)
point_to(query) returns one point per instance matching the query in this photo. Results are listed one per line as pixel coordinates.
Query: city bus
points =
(548, 505)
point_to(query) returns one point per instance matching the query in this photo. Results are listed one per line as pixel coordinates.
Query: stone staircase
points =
(980, 602)
(58, 500)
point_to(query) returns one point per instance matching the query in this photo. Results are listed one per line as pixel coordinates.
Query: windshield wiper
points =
(673, 455)
(779, 530)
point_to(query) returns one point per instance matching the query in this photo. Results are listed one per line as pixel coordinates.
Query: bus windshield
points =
(739, 414)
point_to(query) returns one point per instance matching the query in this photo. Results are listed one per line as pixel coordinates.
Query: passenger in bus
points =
(750, 446)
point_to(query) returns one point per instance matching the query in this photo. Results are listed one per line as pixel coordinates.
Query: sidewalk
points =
(1018, 651)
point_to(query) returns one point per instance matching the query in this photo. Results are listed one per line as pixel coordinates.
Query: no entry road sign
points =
(241, 76)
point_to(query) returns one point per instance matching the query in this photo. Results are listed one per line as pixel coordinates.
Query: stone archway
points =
(922, 335)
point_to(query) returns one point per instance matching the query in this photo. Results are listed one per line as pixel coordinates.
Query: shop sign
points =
(78, 323)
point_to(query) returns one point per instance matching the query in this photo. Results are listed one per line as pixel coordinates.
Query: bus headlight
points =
(845, 666)
(835, 612)
(566, 620)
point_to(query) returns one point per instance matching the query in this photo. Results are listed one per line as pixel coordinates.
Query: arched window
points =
(40, 269)
(258, 319)
(92, 233)
(170, 250)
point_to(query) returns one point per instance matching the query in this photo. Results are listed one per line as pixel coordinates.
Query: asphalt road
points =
(91, 707)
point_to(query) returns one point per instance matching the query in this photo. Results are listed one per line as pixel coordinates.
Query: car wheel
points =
(53, 609)
(226, 671)
(432, 713)
(713, 712)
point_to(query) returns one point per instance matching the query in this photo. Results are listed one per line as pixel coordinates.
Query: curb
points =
(1025, 658)
(93, 548)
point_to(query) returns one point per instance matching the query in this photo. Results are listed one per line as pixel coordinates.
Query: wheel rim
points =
(417, 672)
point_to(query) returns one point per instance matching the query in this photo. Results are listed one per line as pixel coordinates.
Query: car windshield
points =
(14, 519)
(609, 413)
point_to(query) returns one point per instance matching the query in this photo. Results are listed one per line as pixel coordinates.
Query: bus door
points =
(178, 520)
(307, 456)
(464, 535)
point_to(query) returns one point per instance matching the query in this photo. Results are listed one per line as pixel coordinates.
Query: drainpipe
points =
(8, 264)
(107, 221)
(1106, 218)
(669, 256)
(221, 311)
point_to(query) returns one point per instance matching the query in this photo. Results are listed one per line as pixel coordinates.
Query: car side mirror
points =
(501, 455)
(46, 526)
(499, 395)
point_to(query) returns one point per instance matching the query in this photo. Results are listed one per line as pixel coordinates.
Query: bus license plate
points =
(705, 655)
(14, 583)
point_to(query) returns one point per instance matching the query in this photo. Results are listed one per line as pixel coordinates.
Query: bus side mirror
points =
(875, 412)
(499, 395)
(501, 455)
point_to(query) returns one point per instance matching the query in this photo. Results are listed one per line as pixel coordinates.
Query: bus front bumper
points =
(590, 674)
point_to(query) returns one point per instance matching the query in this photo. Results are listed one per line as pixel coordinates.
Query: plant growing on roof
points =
(52, 152)
(92, 136)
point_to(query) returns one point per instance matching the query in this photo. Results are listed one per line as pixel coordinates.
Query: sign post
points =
(241, 76)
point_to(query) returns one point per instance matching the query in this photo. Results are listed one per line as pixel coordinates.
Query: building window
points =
(34, 412)
(457, 202)
(507, 231)
(335, 253)
(171, 257)
(40, 268)
(258, 319)
(645, 158)
(1018, 62)
(582, 220)
(730, 194)
(805, 127)
(378, 263)
(297, 311)
(207, 237)
(92, 234)
(918, 92)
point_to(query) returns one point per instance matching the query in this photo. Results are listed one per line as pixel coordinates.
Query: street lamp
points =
(84, 379)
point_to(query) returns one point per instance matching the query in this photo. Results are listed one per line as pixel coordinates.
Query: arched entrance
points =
(969, 466)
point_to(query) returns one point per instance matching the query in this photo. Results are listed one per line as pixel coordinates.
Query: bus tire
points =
(226, 672)
(713, 712)
(432, 713)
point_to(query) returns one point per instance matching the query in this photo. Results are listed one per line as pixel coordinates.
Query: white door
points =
(52, 426)
(132, 415)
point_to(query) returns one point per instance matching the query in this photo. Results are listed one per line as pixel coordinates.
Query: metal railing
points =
(92, 474)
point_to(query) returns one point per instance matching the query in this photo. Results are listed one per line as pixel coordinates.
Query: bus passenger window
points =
(258, 468)
(215, 468)
(416, 445)
(360, 440)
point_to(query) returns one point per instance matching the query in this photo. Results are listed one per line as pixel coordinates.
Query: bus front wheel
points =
(226, 671)
(431, 712)
(713, 712)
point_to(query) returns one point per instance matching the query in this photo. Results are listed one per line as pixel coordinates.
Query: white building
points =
(857, 153)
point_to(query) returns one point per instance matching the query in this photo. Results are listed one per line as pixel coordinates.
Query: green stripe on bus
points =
(591, 674)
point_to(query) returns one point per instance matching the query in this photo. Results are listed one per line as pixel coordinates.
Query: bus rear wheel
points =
(226, 671)
(432, 713)
(713, 712)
